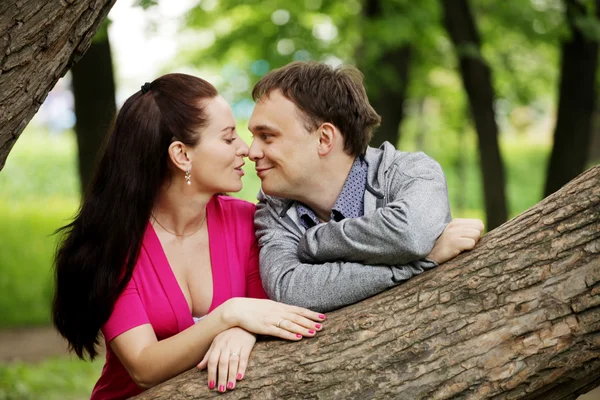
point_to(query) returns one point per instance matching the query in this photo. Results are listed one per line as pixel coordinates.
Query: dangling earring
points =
(188, 176)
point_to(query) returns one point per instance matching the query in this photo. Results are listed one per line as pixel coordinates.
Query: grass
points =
(26, 258)
(52, 379)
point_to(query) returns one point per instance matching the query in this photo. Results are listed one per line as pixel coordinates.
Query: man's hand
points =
(461, 234)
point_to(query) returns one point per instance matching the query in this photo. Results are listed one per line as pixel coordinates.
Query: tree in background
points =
(476, 76)
(386, 65)
(579, 62)
(94, 93)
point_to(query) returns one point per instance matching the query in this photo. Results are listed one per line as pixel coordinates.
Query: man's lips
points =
(262, 171)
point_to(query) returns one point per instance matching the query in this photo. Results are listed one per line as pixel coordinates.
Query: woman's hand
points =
(267, 317)
(227, 358)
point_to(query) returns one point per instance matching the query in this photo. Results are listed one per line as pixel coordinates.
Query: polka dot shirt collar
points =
(349, 204)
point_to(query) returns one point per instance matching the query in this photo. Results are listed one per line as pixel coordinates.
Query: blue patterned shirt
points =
(349, 204)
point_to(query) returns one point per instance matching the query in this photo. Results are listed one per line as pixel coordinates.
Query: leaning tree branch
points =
(39, 41)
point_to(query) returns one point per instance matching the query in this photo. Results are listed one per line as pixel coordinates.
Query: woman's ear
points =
(180, 156)
(328, 134)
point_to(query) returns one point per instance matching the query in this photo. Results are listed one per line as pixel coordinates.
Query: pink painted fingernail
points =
(299, 336)
(311, 332)
(239, 377)
(321, 316)
(211, 384)
(230, 385)
(221, 388)
(318, 326)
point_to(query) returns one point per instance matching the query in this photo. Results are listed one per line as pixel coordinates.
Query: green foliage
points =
(589, 26)
(520, 42)
(27, 255)
(53, 379)
(39, 192)
(32, 171)
(145, 4)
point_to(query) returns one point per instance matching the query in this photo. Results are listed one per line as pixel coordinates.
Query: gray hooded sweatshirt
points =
(335, 264)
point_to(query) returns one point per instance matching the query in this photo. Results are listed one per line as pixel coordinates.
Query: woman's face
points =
(219, 156)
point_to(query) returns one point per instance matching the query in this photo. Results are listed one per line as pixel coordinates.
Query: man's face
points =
(285, 153)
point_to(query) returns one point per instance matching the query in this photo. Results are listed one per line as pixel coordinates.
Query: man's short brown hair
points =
(326, 94)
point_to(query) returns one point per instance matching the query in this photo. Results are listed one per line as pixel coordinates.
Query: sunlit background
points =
(232, 44)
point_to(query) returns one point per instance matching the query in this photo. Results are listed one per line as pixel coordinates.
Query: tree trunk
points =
(94, 92)
(386, 79)
(39, 40)
(572, 135)
(594, 150)
(516, 318)
(476, 76)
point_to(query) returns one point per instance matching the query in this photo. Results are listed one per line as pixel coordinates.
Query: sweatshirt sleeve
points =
(319, 287)
(403, 231)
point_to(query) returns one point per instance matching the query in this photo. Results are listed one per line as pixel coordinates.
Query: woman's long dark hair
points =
(100, 247)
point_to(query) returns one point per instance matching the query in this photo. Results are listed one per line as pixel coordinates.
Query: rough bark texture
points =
(477, 79)
(39, 40)
(94, 92)
(387, 78)
(573, 133)
(516, 318)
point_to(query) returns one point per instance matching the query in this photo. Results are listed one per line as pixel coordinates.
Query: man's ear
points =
(180, 156)
(328, 135)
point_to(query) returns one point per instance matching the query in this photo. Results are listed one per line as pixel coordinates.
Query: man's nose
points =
(255, 152)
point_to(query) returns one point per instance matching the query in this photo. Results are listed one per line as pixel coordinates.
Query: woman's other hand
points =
(267, 317)
(227, 358)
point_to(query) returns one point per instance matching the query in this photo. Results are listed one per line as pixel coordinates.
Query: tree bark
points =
(573, 132)
(516, 318)
(94, 92)
(476, 76)
(386, 80)
(39, 40)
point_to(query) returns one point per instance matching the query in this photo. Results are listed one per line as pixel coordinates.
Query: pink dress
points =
(153, 295)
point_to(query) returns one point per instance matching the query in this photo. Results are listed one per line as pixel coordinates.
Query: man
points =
(384, 209)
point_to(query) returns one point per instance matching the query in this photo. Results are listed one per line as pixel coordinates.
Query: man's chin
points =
(270, 190)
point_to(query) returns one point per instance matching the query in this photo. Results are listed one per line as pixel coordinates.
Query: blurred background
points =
(501, 93)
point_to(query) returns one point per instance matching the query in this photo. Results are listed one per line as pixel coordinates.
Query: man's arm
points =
(320, 287)
(404, 230)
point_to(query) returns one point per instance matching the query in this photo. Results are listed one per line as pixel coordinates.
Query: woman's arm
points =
(150, 362)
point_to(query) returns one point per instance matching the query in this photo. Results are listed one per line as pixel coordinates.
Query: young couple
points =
(167, 267)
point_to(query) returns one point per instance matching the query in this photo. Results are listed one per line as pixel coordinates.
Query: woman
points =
(155, 247)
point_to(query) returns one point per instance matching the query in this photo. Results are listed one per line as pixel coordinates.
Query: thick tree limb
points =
(39, 40)
(516, 318)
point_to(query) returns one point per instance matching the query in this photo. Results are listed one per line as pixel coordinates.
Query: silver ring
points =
(280, 321)
(234, 354)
